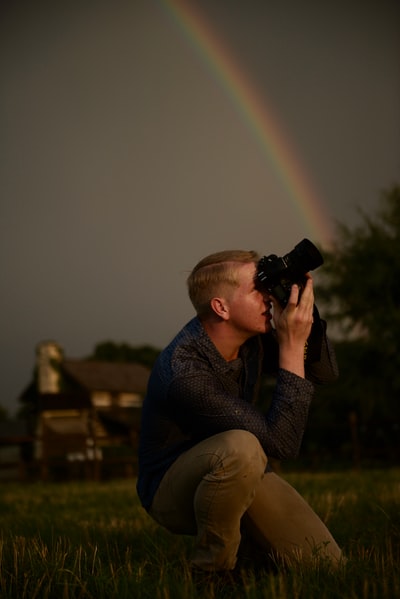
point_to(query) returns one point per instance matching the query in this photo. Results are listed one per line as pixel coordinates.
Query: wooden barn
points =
(84, 415)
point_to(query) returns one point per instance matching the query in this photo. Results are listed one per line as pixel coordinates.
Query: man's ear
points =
(220, 307)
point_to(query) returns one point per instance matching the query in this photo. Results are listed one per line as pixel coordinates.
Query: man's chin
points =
(267, 327)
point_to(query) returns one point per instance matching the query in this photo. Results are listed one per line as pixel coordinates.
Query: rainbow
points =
(257, 115)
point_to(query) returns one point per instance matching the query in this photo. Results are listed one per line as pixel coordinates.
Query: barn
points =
(83, 415)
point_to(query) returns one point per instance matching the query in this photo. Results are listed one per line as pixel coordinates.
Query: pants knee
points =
(245, 449)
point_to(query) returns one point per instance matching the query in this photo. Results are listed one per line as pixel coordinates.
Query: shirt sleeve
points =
(203, 406)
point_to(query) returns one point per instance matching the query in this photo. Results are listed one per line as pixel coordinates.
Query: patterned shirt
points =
(194, 393)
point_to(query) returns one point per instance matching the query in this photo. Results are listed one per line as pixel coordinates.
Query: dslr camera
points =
(277, 275)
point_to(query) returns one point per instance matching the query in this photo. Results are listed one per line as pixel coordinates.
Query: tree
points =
(123, 352)
(360, 289)
(363, 274)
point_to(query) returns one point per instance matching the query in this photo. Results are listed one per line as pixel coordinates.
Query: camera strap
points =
(312, 349)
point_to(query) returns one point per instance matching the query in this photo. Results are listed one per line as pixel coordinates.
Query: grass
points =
(93, 541)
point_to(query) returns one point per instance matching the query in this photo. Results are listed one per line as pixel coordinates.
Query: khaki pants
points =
(219, 489)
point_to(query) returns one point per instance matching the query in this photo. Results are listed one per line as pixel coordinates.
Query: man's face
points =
(249, 309)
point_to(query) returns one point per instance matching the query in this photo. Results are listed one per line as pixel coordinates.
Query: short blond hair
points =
(214, 273)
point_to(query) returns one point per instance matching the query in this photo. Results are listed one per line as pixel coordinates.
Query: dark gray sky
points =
(124, 160)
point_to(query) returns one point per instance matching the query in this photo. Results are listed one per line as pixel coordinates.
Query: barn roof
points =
(108, 376)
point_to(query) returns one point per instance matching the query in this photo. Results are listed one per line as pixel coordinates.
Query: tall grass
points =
(93, 541)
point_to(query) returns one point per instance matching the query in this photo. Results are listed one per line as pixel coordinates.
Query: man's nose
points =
(266, 297)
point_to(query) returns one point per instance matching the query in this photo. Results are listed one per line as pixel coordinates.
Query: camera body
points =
(276, 275)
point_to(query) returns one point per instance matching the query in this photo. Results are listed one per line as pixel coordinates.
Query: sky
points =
(139, 136)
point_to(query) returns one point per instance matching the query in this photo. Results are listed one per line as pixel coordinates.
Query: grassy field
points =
(93, 540)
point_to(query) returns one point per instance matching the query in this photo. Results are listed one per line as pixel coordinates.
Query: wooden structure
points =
(84, 415)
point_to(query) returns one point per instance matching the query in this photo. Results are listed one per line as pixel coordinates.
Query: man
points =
(204, 447)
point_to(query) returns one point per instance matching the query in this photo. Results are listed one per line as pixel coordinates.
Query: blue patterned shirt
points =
(194, 393)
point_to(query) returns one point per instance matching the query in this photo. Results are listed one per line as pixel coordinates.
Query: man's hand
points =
(293, 326)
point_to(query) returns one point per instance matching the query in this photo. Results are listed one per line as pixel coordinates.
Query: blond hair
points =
(215, 273)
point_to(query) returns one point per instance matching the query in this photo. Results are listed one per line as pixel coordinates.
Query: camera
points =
(276, 275)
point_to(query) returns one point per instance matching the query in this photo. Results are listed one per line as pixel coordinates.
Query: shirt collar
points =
(217, 361)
